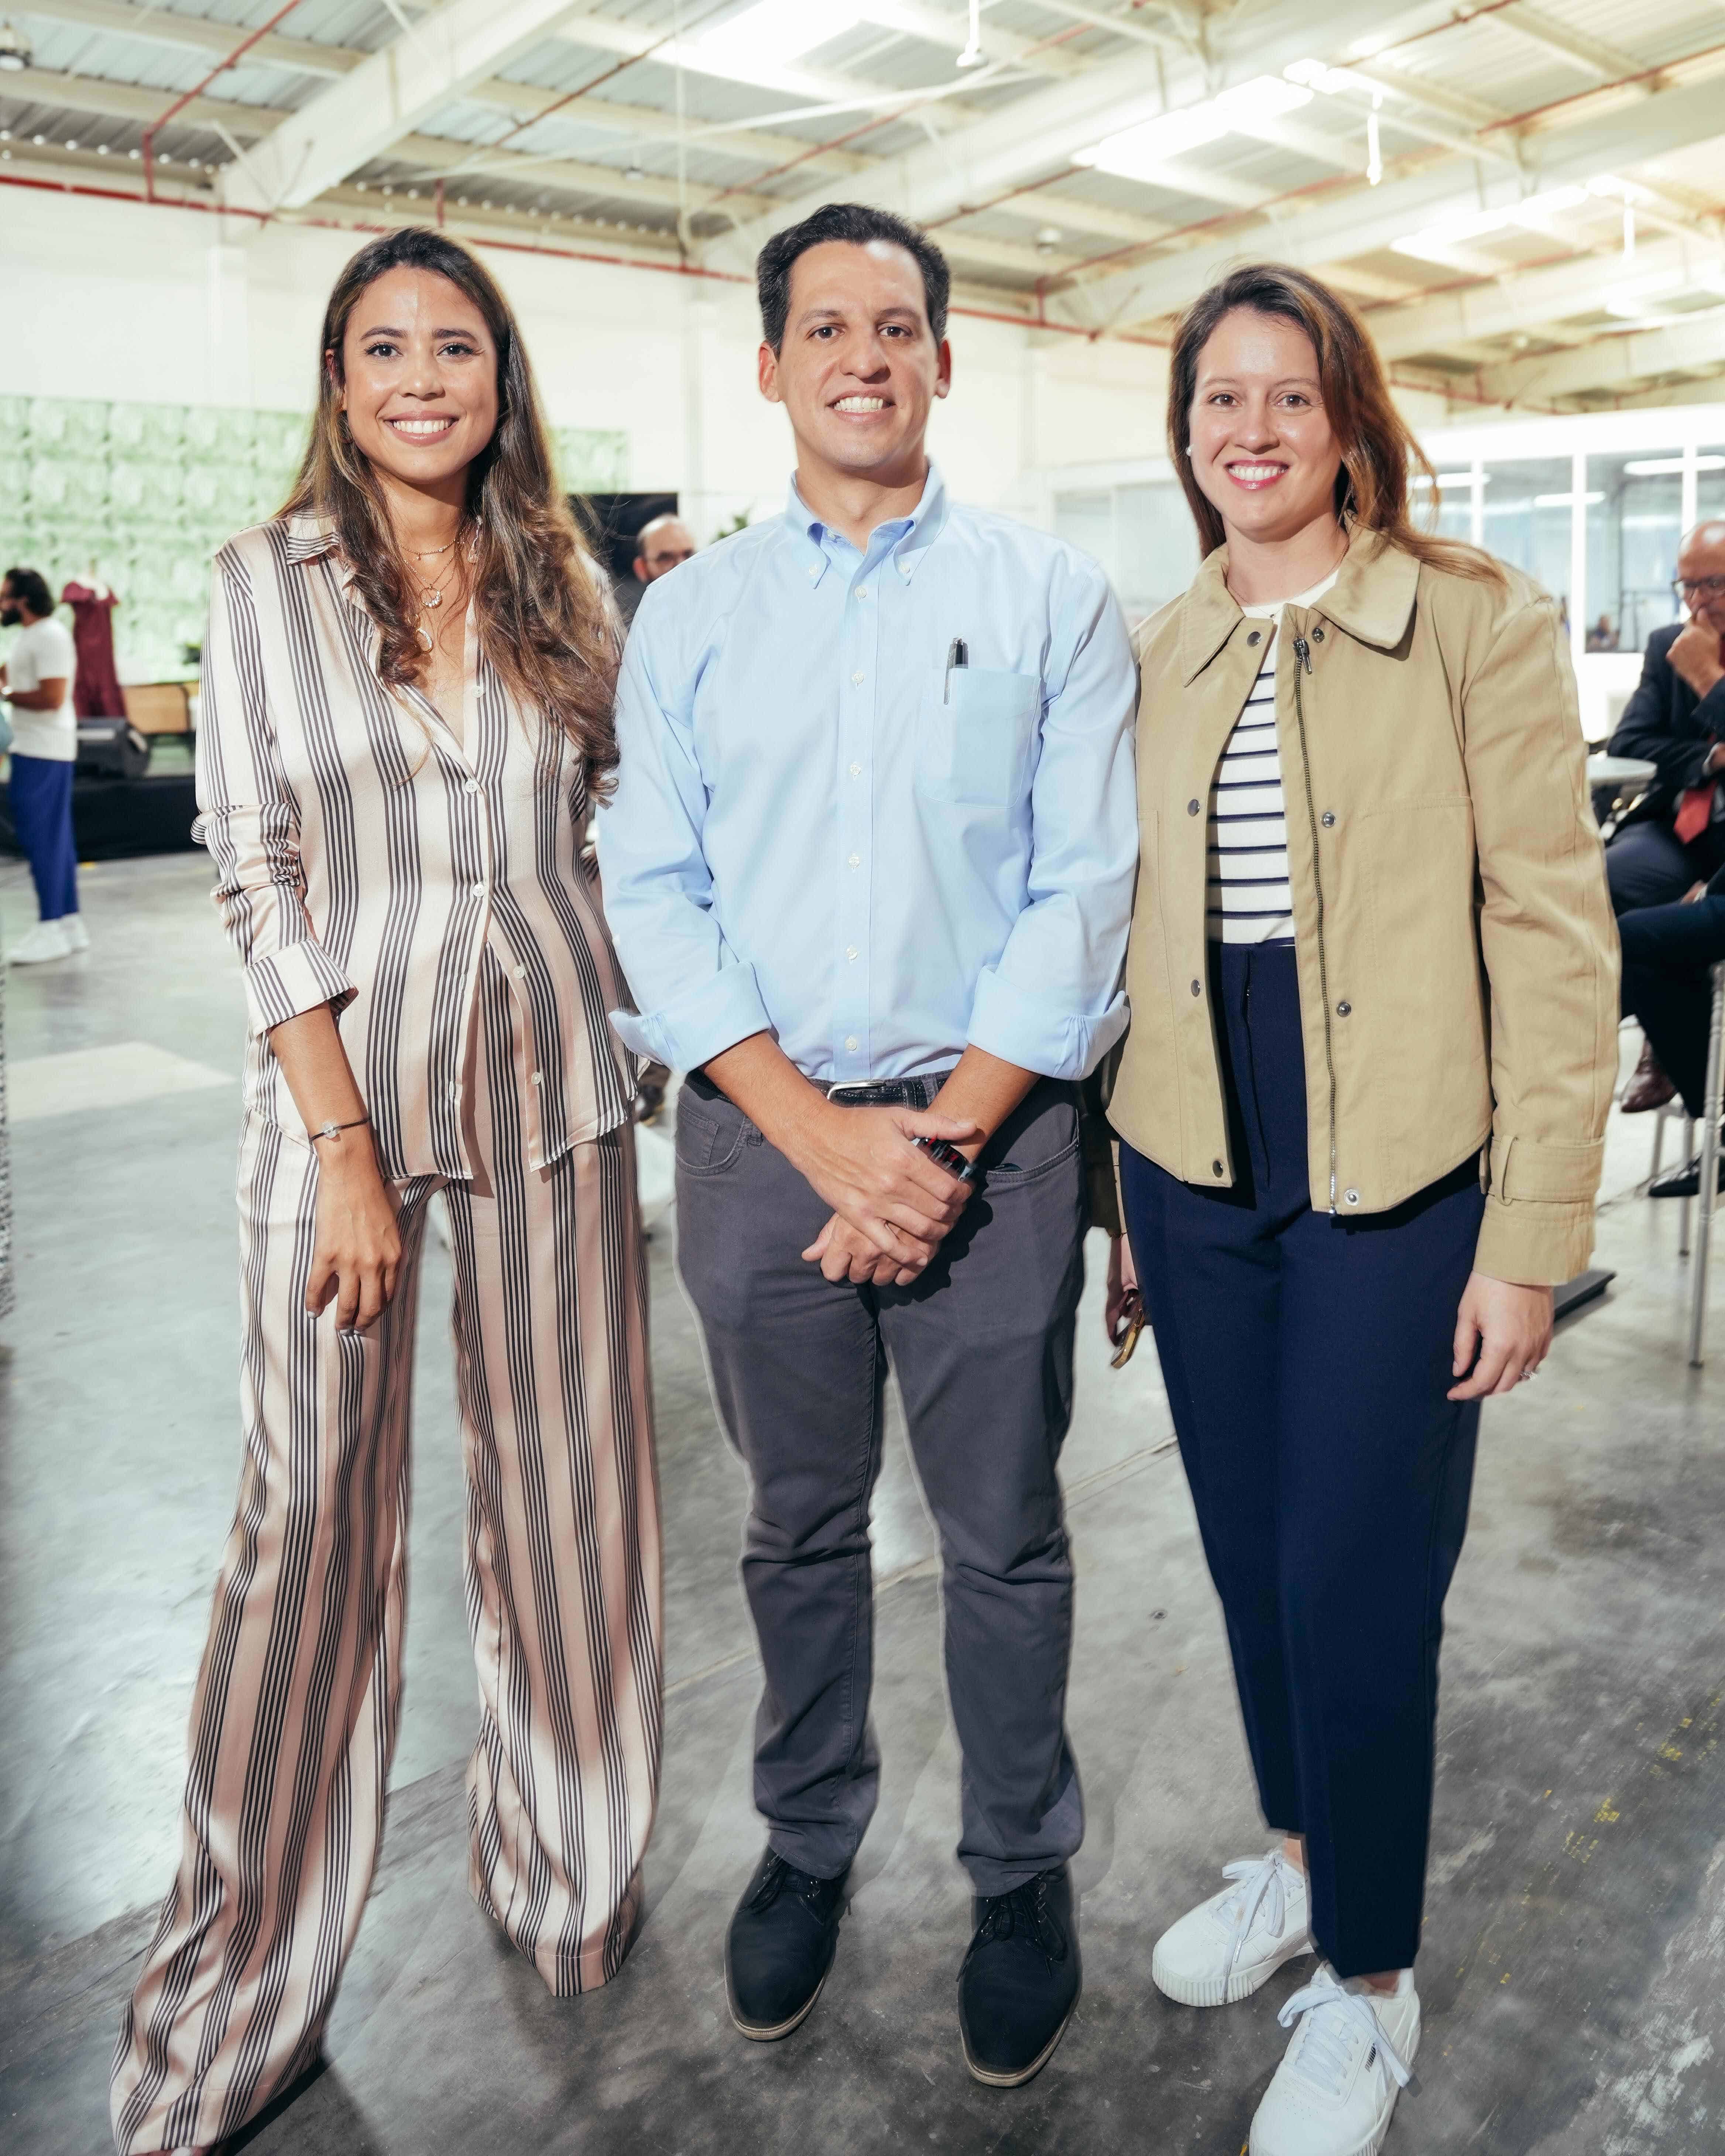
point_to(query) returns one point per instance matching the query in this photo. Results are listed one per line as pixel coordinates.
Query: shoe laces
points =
(1022, 1914)
(1336, 2022)
(780, 1877)
(1260, 1882)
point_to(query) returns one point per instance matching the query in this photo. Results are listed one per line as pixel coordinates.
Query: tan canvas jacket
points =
(1458, 954)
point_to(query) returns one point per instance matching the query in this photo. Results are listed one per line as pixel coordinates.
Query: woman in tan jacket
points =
(1372, 976)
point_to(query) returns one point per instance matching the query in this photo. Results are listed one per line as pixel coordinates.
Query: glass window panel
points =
(1087, 520)
(1157, 546)
(1634, 514)
(1710, 482)
(1528, 508)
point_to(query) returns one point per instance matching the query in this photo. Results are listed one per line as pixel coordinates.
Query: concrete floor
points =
(1575, 1953)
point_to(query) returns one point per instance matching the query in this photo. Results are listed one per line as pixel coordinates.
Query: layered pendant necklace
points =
(432, 593)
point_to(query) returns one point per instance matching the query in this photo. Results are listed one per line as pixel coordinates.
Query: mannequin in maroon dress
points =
(95, 686)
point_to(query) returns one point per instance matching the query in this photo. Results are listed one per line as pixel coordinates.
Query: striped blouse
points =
(367, 857)
(1247, 898)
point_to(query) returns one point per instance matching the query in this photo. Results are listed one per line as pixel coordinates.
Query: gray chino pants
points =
(982, 1348)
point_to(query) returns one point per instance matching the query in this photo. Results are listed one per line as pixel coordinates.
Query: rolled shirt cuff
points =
(704, 1023)
(1040, 1034)
(291, 981)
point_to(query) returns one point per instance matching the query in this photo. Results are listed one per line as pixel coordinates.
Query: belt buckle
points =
(856, 1085)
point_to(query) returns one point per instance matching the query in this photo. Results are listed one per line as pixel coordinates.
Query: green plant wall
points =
(147, 493)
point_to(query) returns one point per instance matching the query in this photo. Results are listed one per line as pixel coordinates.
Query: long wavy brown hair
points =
(541, 621)
(1379, 453)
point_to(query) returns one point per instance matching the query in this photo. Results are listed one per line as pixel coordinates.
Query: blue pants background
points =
(41, 800)
(1306, 1359)
(1668, 955)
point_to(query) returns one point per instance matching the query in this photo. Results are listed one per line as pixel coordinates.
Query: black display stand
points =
(1585, 1287)
(116, 818)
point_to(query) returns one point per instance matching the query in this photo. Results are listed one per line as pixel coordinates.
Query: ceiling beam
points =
(1528, 299)
(1313, 230)
(1591, 55)
(652, 123)
(973, 166)
(388, 96)
(199, 34)
(127, 101)
(1612, 362)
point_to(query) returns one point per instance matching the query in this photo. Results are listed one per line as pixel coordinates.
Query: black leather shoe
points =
(780, 1946)
(1685, 1182)
(1020, 1980)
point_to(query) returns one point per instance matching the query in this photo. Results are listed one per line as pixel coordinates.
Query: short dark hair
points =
(31, 586)
(855, 223)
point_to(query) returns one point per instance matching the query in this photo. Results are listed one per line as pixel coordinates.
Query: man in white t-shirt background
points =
(37, 681)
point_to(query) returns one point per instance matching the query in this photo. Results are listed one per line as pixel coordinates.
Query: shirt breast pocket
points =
(978, 726)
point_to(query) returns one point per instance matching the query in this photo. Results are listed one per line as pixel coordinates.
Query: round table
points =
(1621, 770)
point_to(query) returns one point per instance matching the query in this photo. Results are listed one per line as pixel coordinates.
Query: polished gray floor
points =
(1575, 1954)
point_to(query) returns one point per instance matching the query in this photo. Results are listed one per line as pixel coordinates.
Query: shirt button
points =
(856, 771)
(850, 1043)
(538, 1077)
(858, 680)
(1327, 818)
(852, 952)
(862, 590)
(856, 860)
(471, 787)
(479, 890)
(1352, 1196)
(1344, 1010)
(1196, 990)
(1191, 807)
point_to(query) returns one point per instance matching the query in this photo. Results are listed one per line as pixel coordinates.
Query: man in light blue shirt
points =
(869, 868)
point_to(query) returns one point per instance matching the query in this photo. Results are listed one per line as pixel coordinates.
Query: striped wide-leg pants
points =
(295, 1715)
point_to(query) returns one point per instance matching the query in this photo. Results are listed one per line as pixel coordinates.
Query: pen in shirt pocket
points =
(958, 655)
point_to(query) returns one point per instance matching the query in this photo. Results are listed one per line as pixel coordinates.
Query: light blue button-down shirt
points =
(821, 830)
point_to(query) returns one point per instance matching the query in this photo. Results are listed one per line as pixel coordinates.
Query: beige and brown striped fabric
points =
(366, 855)
(295, 1715)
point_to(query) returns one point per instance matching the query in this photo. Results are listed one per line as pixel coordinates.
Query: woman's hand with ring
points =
(1502, 1334)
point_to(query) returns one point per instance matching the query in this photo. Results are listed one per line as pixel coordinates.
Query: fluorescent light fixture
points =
(1563, 500)
(1660, 467)
(773, 32)
(1436, 239)
(1138, 153)
(1710, 464)
(1447, 478)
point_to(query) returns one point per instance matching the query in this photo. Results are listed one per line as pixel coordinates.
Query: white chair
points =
(1675, 1111)
(1712, 1107)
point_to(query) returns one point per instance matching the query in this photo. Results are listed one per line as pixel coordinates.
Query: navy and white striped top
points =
(1247, 898)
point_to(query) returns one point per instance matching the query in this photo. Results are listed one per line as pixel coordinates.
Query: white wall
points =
(117, 301)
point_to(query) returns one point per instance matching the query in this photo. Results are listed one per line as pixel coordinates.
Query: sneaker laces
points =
(1337, 2016)
(1022, 1911)
(1260, 1882)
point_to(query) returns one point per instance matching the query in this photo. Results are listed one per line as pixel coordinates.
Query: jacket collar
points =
(1372, 600)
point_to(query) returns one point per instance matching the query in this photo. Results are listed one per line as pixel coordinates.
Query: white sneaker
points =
(1226, 1947)
(77, 935)
(47, 940)
(1351, 2056)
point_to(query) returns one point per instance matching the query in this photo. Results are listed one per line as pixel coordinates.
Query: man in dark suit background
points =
(1674, 841)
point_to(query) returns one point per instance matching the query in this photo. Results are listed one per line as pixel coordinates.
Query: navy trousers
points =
(1669, 952)
(1306, 1359)
(41, 800)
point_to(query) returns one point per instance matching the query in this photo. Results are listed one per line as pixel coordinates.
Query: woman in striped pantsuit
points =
(406, 693)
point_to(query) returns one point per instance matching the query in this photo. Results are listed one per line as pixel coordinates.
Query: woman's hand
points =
(357, 1250)
(1122, 1303)
(1507, 1328)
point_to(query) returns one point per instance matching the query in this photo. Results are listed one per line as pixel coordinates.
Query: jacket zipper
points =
(1302, 658)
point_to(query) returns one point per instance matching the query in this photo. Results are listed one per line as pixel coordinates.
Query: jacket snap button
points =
(1216, 1168)
(1327, 818)
(1255, 636)
(1352, 1196)
(1318, 636)
(1196, 990)
(1344, 1009)
(1191, 807)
